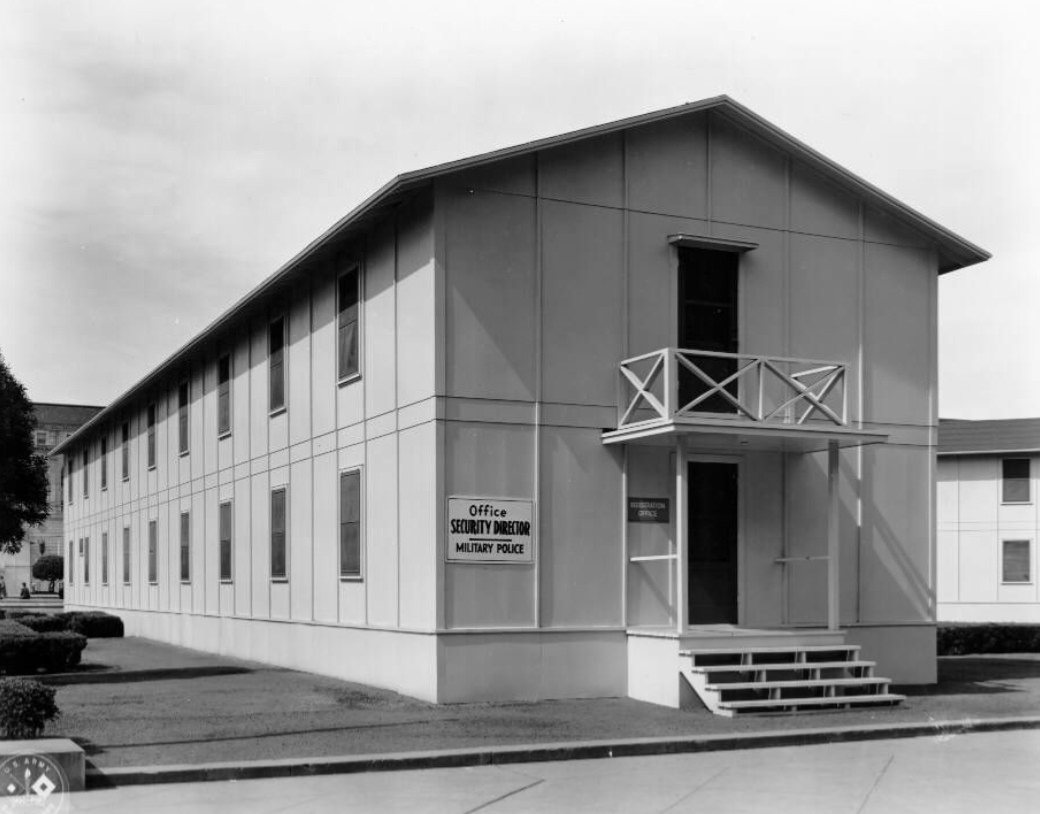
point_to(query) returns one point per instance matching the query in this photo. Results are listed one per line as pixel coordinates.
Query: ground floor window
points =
(126, 555)
(279, 569)
(104, 558)
(225, 542)
(185, 547)
(86, 560)
(72, 561)
(153, 543)
(350, 523)
(1016, 561)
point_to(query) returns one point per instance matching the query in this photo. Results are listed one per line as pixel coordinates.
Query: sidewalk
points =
(142, 704)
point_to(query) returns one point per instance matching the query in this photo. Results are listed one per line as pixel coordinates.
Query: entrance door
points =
(707, 321)
(712, 490)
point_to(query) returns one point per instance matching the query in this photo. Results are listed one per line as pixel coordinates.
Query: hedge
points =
(961, 639)
(94, 624)
(23, 650)
(42, 623)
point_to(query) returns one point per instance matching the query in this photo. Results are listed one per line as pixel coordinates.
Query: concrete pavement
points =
(991, 772)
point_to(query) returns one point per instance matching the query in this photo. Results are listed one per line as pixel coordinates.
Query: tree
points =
(49, 568)
(23, 474)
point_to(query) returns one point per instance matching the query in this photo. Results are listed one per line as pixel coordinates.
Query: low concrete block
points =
(69, 757)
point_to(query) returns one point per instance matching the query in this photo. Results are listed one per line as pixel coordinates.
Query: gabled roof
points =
(954, 251)
(998, 437)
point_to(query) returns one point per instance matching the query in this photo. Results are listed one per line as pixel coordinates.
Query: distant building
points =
(538, 423)
(988, 520)
(54, 423)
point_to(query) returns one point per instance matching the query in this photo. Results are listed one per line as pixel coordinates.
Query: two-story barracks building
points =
(685, 362)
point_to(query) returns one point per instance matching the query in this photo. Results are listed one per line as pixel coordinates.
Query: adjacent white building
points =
(535, 423)
(988, 520)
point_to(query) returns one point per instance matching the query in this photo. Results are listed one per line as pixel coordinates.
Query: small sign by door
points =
(648, 510)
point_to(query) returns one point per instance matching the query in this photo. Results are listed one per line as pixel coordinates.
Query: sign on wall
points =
(490, 530)
(648, 510)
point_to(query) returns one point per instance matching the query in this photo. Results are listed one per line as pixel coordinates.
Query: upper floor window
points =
(86, 474)
(125, 449)
(349, 296)
(1016, 480)
(224, 395)
(40, 438)
(151, 435)
(276, 364)
(104, 462)
(182, 418)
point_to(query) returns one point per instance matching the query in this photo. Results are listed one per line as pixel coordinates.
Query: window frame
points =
(125, 450)
(71, 466)
(86, 471)
(185, 547)
(224, 394)
(272, 408)
(86, 560)
(126, 555)
(72, 562)
(229, 540)
(284, 575)
(345, 377)
(151, 419)
(184, 417)
(153, 552)
(1006, 481)
(1004, 562)
(344, 576)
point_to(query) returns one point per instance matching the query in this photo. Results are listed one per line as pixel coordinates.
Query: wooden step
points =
(740, 651)
(863, 681)
(791, 703)
(775, 666)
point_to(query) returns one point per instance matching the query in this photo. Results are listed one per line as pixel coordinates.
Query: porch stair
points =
(792, 678)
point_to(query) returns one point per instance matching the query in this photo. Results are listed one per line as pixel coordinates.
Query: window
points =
(153, 544)
(104, 558)
(224, 395)
(1015, 560)
(61, 490)
(347, 323)
(86, 560)
(70, 460)
(126, 555)
(225, 542)
(1016, 480)
(125, 448)
(40, 438)
(86, 474)
(151, 435)
(185, 547)
(276, 364)
(104, 462)
(72, 561)
(350, 524)
(182, 418)
(278, 564)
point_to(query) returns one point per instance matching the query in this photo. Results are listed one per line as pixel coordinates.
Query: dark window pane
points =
(126, 555)
(153, 542)
(224, 395)
(1016, 561)
(185, 547)
(126, 451)
(225, 541)
(104, 558)
(278, 569)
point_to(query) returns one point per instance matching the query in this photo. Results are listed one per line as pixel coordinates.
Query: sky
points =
(158, 159)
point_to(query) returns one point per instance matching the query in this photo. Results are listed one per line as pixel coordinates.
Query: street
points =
(989, 772)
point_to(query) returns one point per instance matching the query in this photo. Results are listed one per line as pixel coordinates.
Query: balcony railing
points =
(673, 384)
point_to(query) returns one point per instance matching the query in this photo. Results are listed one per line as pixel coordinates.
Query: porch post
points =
(682, 612)
(833, 562)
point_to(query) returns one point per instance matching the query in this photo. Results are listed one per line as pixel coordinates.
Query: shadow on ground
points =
(974, 675)
(94, 674)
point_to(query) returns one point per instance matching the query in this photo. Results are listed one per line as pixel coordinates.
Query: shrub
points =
(16, 647)
(21, 614)
(49, 568)
(59, 650)
(42, 623)
(94, 624)
(25, 708)
(961, 639)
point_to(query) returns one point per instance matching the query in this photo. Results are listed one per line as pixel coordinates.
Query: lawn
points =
(140, 703)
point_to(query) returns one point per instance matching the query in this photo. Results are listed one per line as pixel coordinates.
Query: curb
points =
(502, 755)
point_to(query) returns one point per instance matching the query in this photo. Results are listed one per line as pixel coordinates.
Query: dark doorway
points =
(708, 321)
(713, 493)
